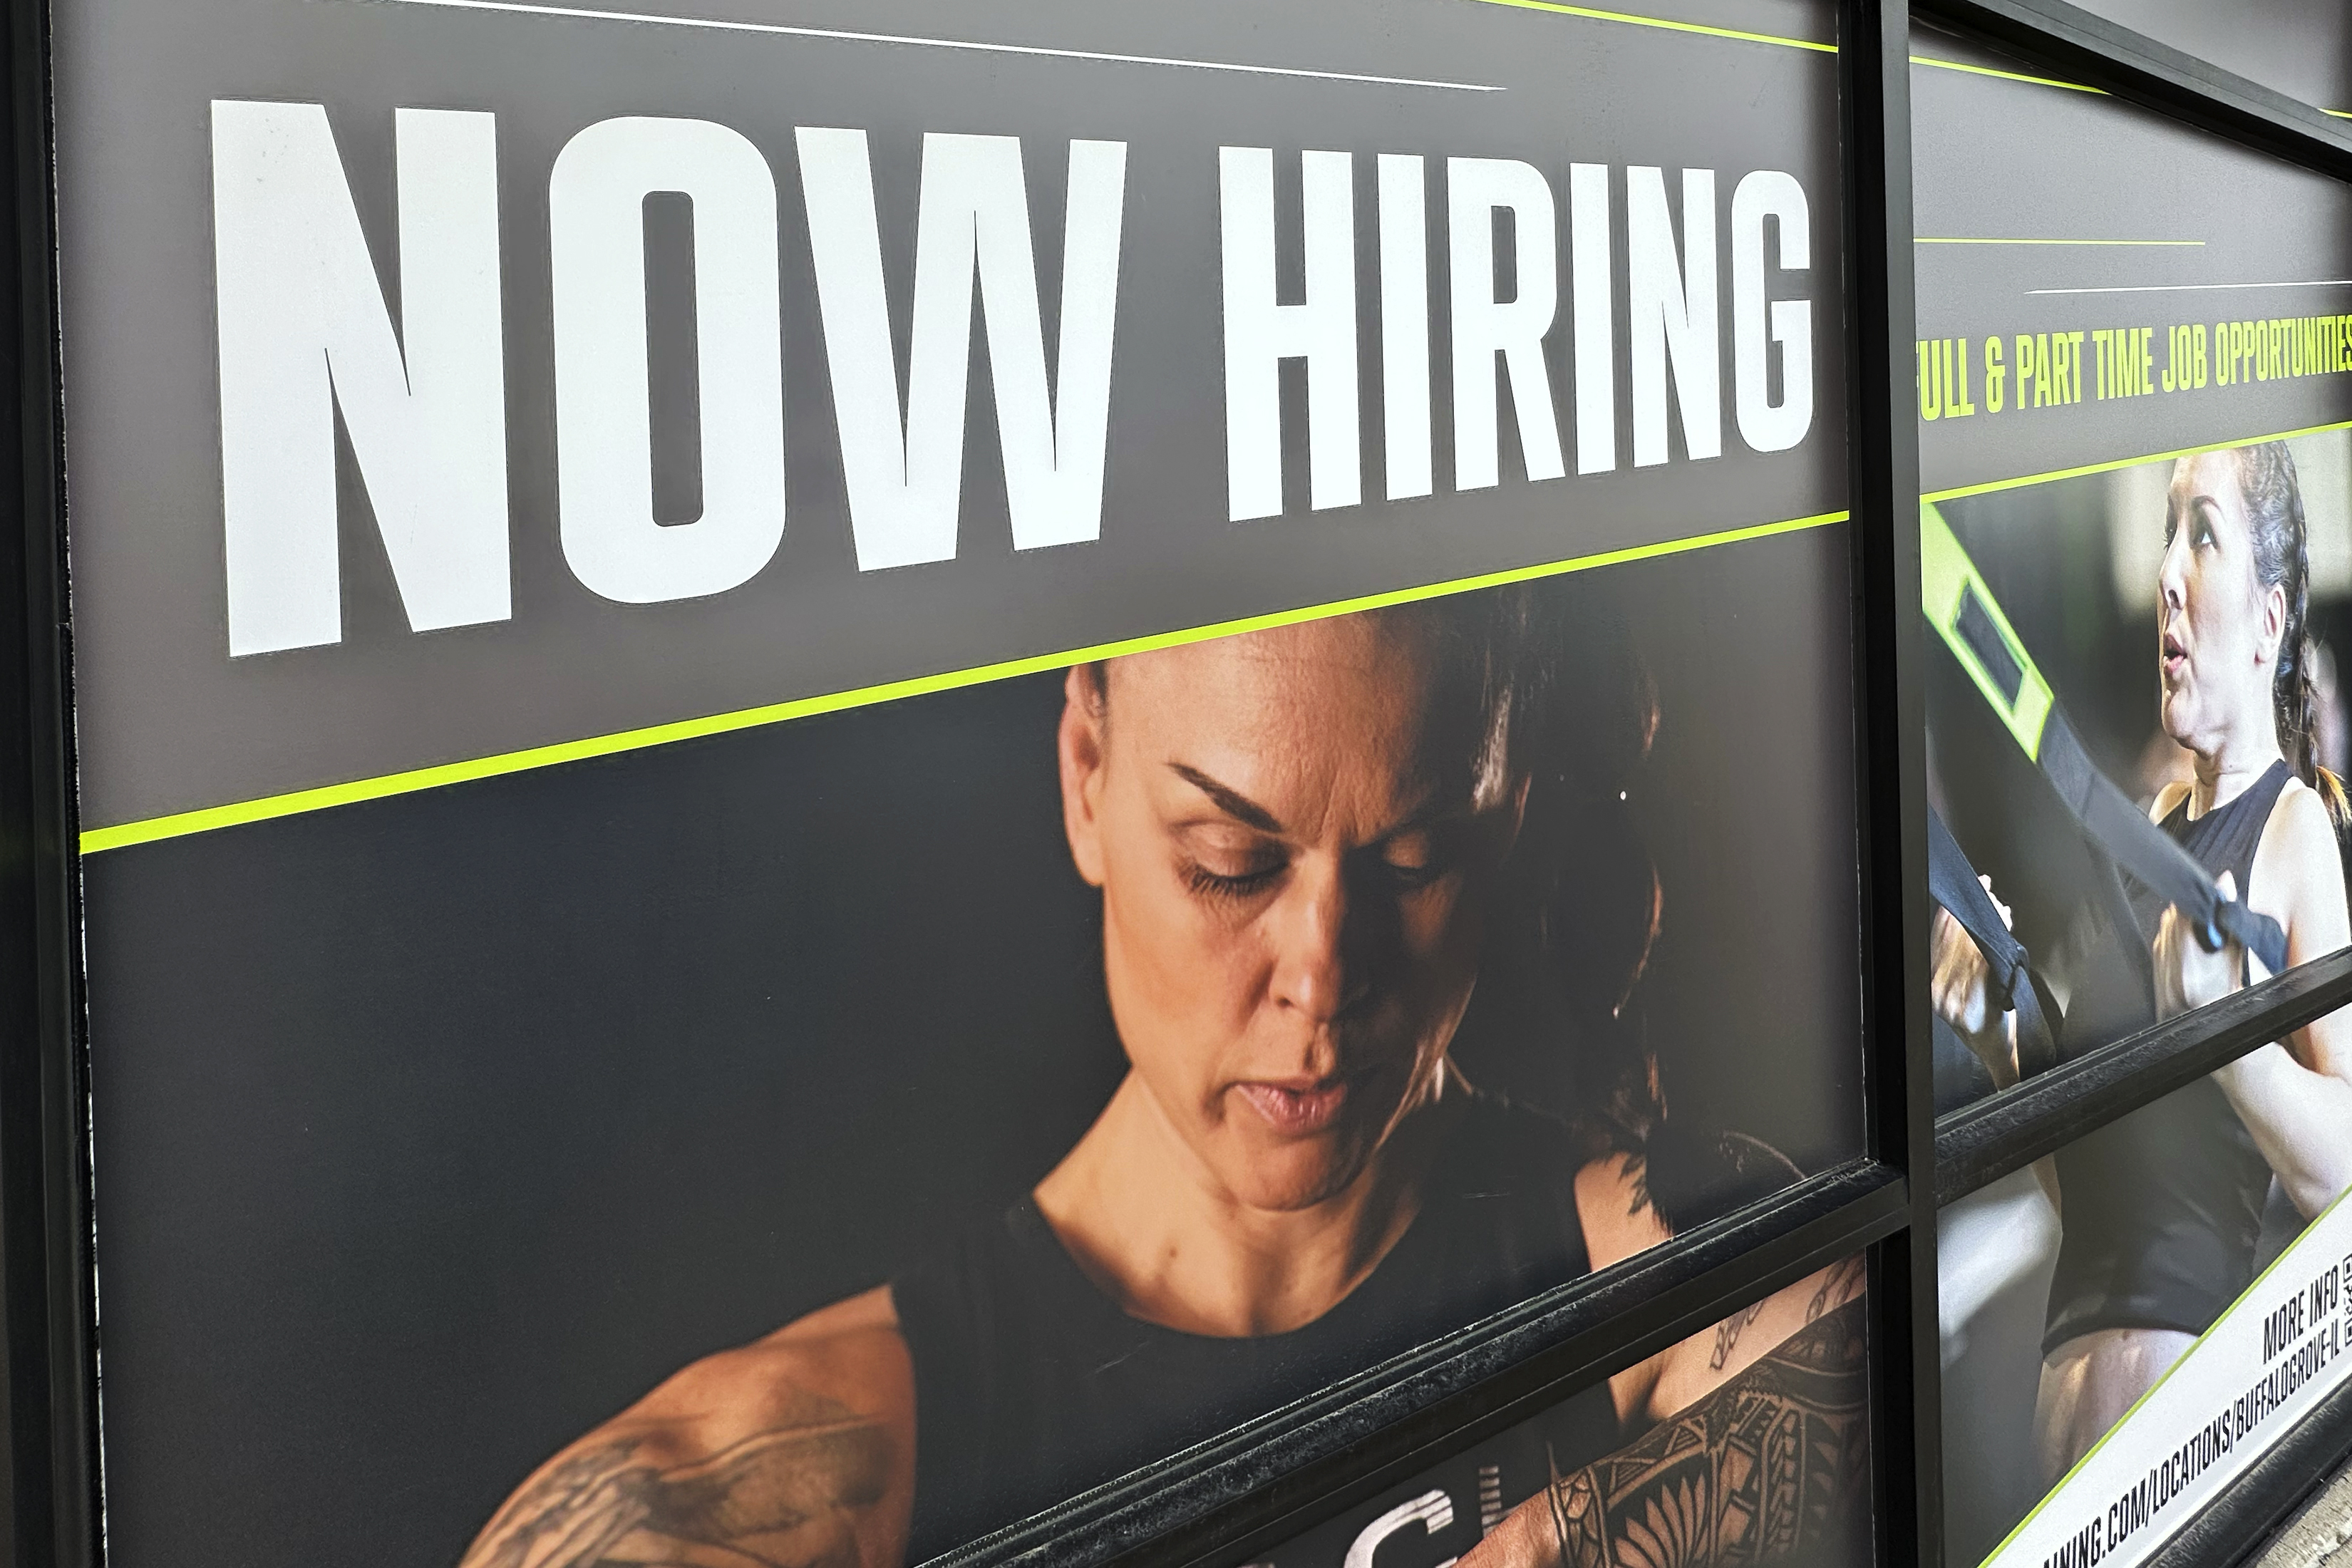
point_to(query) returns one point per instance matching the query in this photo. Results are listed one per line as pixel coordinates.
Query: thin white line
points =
(656, 19)
(2198, 288)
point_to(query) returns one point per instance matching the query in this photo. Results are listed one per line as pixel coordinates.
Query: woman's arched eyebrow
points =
(1231, 802)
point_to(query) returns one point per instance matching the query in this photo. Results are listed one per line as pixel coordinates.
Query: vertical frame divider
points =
(47, 1294)
(1875, 115)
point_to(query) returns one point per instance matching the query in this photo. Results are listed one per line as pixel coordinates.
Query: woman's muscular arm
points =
(1752, 1431)
(2296, 1096)
(1766, 1469)
(793, 1452)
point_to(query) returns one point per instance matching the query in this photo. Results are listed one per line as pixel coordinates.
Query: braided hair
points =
(2282, 558)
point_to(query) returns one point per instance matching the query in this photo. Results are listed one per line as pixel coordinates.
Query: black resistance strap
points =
(1964, 615)
(1961, 1077)
(2013, 986)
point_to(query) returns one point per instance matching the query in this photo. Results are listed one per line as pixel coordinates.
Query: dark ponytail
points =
(2282, 552)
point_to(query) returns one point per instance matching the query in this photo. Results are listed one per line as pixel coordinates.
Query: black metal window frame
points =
(1221, 1502)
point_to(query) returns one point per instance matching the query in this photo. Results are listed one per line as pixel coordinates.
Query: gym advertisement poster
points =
(841, 767)
(2136, 436)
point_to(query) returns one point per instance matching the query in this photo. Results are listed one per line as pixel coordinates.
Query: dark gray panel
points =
(1999, 159)
(168, 722)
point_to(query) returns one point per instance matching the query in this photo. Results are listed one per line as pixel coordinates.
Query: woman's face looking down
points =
(2217, 629)
(1295, 833)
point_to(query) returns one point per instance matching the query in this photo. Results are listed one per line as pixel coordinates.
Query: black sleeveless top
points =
(2164, 1209)
(1032, 1385)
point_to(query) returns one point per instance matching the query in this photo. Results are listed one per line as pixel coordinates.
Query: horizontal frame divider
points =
(2009, 1131)
(1281, 1474)
(2073, 42)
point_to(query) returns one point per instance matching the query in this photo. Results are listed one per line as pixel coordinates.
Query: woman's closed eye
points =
(1232, 886)
(1227, 867)
(1216, 868)
(1413, 860)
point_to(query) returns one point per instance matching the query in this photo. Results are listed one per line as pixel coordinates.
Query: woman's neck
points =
(2231, 767)
(1151, 1225)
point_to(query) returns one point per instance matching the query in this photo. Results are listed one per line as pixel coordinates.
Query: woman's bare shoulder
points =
(796, 1449)
(1612, 1201)
(849, 1352)
(2300, 813)
(2299, 860)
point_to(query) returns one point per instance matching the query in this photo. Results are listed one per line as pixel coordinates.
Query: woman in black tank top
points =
(2163, 1209)
(1292, 1183)
(1301, 837)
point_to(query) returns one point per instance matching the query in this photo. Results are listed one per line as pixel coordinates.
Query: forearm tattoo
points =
(789, 1497)
(1726, 1334)
(1840, 1282)
(1764, 1466)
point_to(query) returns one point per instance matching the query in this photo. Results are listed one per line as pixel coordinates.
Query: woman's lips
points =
(1297, 1109)
(2173, 659)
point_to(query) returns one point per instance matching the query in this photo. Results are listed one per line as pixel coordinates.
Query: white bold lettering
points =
(906, 476)
(1764, 425)
(1404, 325)
(1260, 334)
(1675, 313)
(1485, 326)
(304, 331)
(1596, 327)
(1433, 1510)
(603, 415)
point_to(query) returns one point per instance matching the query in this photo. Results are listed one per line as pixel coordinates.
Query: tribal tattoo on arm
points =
(1769, 1465)
(788, 1497)
(1841, 1282)
(1726, 1334)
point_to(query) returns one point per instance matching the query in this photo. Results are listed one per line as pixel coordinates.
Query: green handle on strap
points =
(1967, 616)
(1970, 622)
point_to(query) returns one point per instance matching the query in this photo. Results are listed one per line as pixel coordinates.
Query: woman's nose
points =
(1312, 973)
(2171, 575)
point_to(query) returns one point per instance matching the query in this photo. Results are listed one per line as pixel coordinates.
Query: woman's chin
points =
(1292, 1175)
(2178, 718)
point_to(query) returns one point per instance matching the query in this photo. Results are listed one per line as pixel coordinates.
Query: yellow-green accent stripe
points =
(1946, 576)
(180, 823)
(2005, 75)
(1591, 13)
(1925, 240)
(1990, 486)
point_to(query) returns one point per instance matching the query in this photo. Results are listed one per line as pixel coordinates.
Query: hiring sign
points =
(563, 373)
(307, 339)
